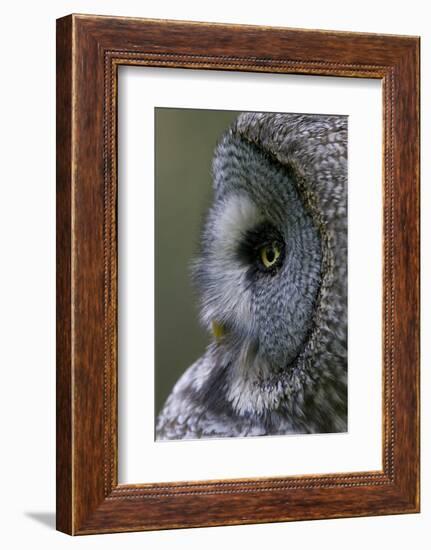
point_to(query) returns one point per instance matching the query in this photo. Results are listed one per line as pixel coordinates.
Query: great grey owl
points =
(272, 279)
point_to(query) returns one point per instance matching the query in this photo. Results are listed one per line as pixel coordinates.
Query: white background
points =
(27, 274)
(141, 459)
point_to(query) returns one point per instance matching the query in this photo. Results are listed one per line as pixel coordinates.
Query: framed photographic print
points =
(237, 274)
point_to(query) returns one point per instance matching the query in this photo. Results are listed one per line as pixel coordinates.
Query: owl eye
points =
(269, 254)
(262, 248)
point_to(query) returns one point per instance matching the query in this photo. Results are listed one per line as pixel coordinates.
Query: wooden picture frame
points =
(89, 52)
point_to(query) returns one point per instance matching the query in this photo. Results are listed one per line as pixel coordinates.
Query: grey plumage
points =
(280, 184)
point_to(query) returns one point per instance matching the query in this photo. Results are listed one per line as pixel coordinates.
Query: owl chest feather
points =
(208, 402)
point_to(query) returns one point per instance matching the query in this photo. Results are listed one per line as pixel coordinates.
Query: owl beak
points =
(218, 330)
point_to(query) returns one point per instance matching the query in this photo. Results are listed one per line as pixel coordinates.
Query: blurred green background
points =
(184, 145)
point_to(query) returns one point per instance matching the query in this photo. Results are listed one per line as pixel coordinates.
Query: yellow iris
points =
(269, 254)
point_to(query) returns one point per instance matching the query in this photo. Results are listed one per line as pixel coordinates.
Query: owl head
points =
(273, 255)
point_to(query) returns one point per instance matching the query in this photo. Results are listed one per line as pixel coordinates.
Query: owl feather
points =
(271, 274)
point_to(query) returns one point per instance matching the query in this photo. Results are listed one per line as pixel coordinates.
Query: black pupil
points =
(270, 254)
